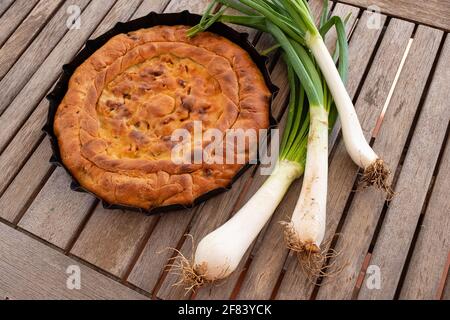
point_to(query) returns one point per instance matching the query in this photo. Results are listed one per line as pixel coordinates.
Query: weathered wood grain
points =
(22, 145)
(148, 6)
(401, 219)
(25, 32)
(213, 214)
(170, 228)
(444, 288)
(111, 239)
(366, 207)
(26, 184)
(53, 216)
(446, 295)
(61, 194)
(198, 6)
(122, 11)
(32, 270)
(41, 81)
(14, 16)
(432, 247)
(431, 12)
(342, 171)
(34, 55)
(4, 5)
(225, 290)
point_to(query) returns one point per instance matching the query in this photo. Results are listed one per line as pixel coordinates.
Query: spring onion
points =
(310, 117)
(293, 17)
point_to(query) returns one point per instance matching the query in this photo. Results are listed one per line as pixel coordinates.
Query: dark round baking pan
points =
(152, 19)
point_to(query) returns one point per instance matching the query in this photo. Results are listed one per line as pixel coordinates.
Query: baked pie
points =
(115, 123)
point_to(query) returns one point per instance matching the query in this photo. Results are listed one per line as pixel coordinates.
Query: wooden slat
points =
(342, 171)
(101, 233)
(61, 194)
(22, 145)
(4, 5)
(32, 270)
(366, 207)
(53, 217)
(446, 295)
(225, 290)
(121, 12)
(14, 16)
(25, 33)
(26, 184)
(213, 214)
(148, 6)
(432, 247)
(35, 54)
(444, 288)
(170, 228)
(111, 239)
(49, 70)
(398, 228)
(193, 6)
(431, 12)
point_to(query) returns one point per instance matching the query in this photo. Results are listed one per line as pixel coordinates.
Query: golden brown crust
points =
(123, 103)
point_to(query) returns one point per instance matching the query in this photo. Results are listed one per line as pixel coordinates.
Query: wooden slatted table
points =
(399, 80)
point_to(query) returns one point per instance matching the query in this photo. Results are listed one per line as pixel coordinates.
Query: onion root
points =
(318, 264)
(377, 174)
